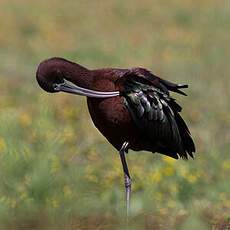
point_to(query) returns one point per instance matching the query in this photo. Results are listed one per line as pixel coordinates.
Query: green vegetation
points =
(56, 170)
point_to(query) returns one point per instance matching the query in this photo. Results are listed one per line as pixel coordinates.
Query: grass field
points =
(57, 171)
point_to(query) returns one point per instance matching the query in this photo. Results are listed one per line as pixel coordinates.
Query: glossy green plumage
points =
(156, 114)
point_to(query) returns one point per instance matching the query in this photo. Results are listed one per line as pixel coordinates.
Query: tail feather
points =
(188, 144)
(174, 87)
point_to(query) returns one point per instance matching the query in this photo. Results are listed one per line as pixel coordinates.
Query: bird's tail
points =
(188, 145)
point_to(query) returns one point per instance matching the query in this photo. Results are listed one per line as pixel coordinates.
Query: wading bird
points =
(132, 108)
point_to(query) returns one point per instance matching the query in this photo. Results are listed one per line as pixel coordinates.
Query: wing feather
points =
(155, 113)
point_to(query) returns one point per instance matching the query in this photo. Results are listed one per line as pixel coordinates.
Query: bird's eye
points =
(56, 87)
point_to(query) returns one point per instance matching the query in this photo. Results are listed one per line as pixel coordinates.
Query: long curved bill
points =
(70, 88)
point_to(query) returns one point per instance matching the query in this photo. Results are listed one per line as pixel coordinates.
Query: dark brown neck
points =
(53, 69)
(76, 73)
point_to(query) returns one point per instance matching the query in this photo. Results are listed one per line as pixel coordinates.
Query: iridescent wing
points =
(156, 113)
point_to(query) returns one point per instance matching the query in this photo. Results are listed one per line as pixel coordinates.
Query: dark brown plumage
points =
(132, 108)
(145, 114)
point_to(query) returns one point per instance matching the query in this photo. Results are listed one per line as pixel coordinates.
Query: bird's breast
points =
(109, 111)
(112, 119)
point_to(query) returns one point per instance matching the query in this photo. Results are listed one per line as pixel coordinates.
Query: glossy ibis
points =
(132, 108)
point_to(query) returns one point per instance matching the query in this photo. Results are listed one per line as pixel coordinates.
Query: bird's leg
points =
(127, 178)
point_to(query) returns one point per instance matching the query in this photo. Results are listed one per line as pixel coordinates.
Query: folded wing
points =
(155, 113)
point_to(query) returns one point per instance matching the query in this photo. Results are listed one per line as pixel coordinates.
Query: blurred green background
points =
(56, 169)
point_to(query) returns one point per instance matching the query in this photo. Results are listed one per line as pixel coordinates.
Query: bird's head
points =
(60, 75)
(50, 73)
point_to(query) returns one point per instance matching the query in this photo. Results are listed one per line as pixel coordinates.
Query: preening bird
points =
(132, 108)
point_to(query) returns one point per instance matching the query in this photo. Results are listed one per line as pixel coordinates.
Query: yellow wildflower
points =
(223, 197)
(158, 196)
(55, 164)
(33, 136)
(171, 204)
(27, 152)
(169, 160)
(156, 176)
(27, 179)
(192, 178)
(173, 188)
(25, 119)
(89, 174)
(2, 144)
(67, 191)
(69, 113)
(13, 203)
(50, 135)
(88, 169)
(20, 188)
(23, 196)
(69, 134)
(169, 171)
(92, 155)
(226, 165)
(54, 203)
(91, 178)
(183, 171)
(2, 199)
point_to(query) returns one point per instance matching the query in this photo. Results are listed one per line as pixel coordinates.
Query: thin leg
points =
(127, 178)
